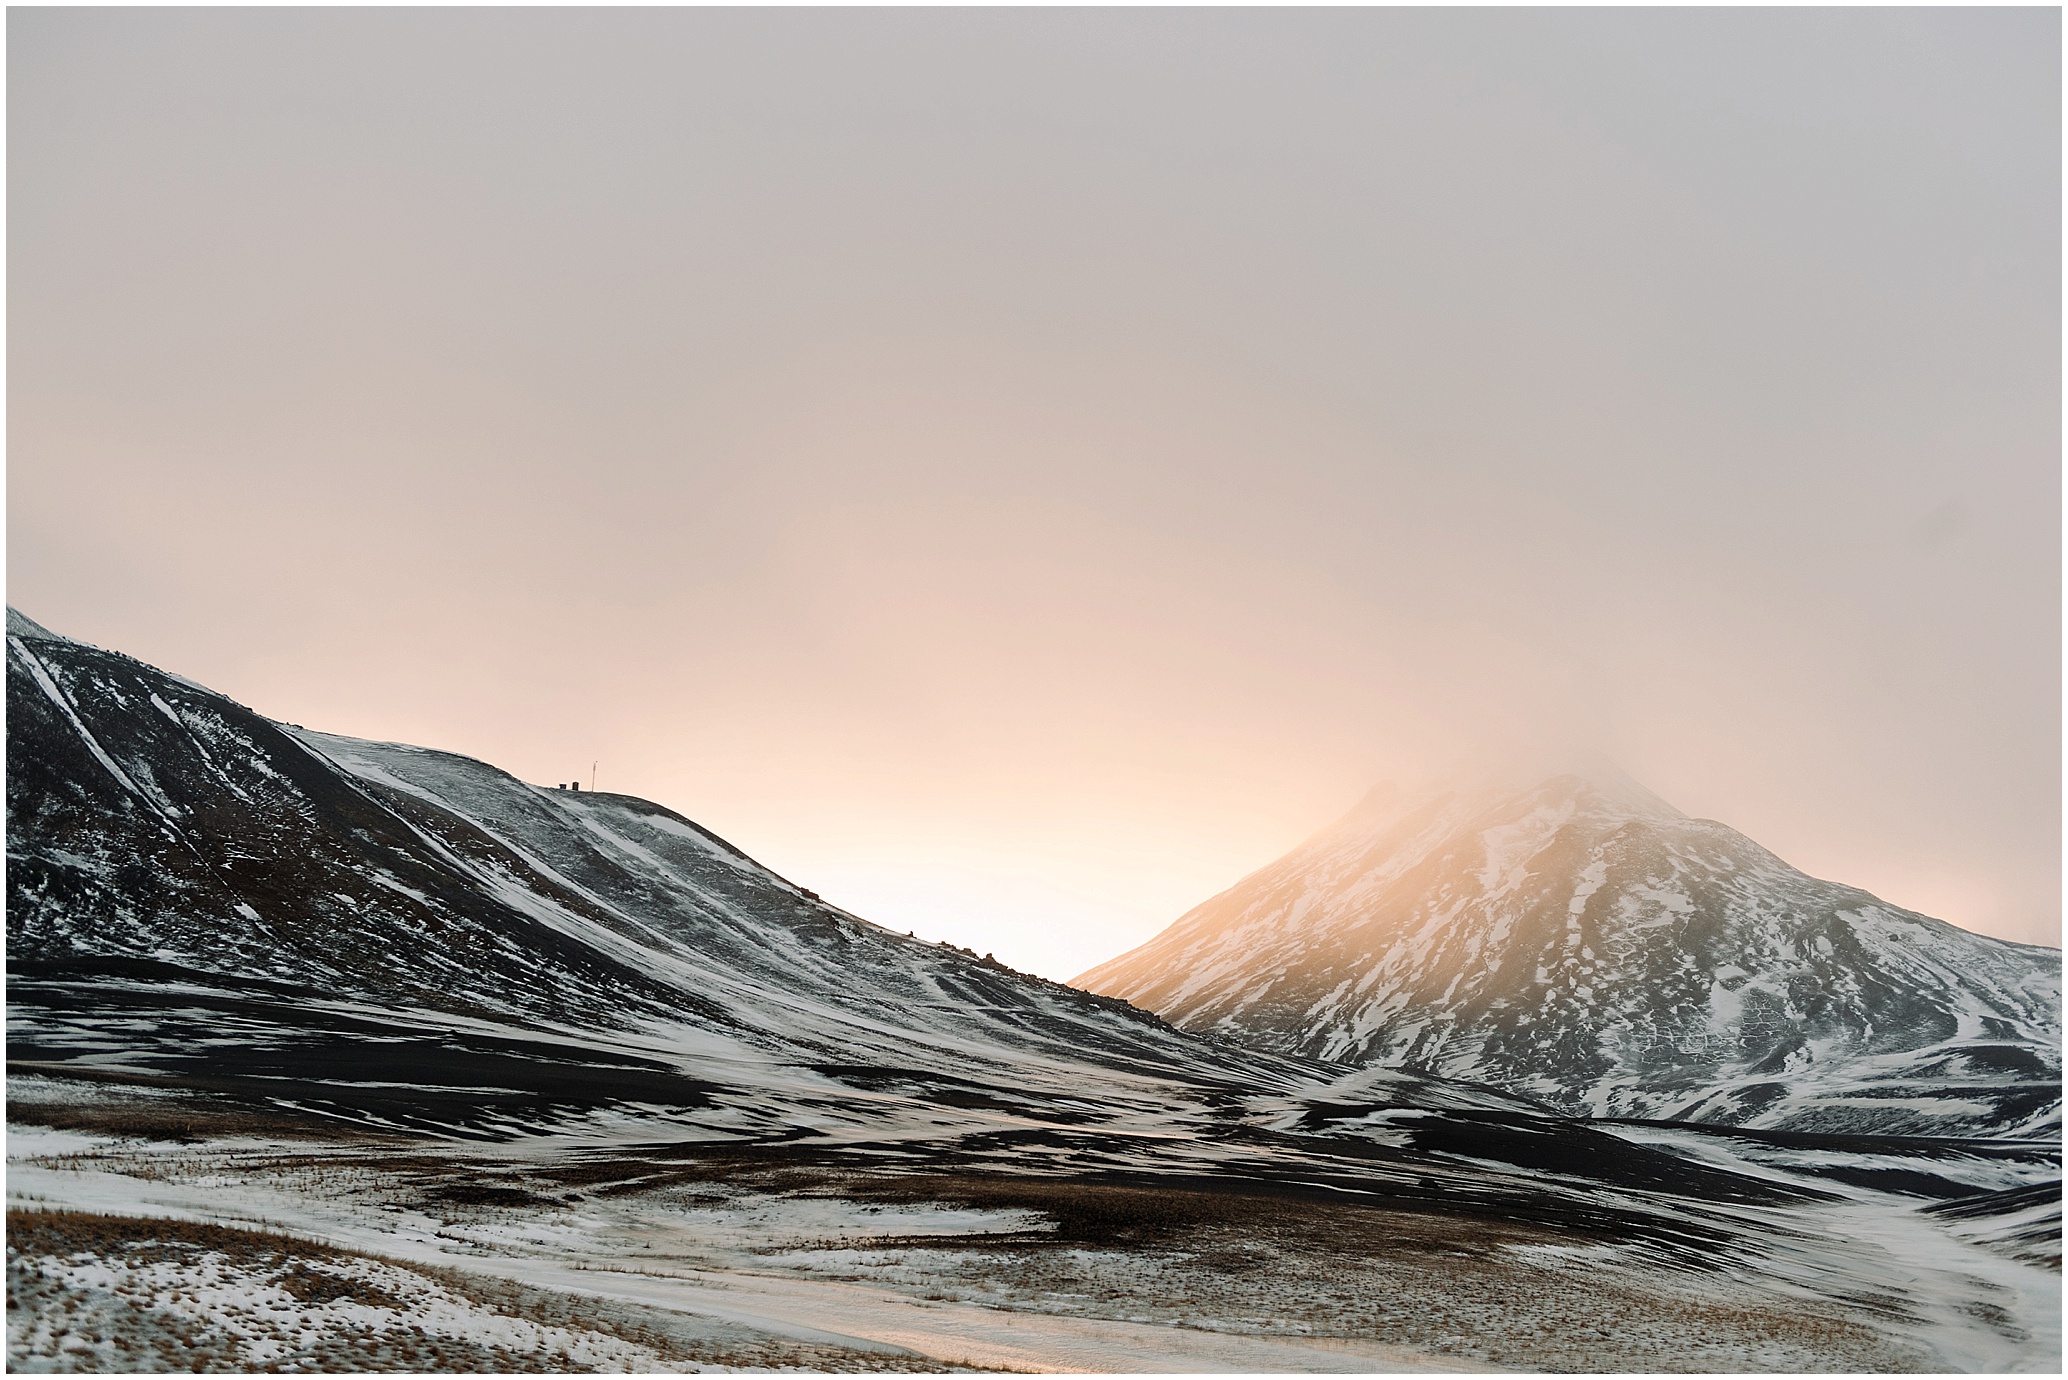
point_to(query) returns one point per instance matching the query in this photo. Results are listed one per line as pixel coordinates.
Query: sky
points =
(1017, 472)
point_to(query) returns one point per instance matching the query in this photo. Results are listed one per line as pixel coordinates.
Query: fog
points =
(1016, 472)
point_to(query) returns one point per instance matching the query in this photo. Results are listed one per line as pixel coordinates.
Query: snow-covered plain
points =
(100, 1295)
(705, 1271)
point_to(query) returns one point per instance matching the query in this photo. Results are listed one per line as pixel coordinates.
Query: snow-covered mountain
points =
(205, 901)
(1588, 944)
(227, 930)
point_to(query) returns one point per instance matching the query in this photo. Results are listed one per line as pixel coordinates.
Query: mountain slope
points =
(203, 899)
(1588, 944)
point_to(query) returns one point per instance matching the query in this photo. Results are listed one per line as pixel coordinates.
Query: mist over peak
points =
(1582, 941)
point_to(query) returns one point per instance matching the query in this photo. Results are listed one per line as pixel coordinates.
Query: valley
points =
(329, 1054)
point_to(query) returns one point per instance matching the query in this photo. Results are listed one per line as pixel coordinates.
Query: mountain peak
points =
(1407, 823)
(1575, 938)
(1605, 784)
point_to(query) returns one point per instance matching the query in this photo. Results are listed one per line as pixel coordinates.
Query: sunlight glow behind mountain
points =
(1027, 469)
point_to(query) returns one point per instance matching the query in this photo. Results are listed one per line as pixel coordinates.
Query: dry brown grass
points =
(1445, 1284)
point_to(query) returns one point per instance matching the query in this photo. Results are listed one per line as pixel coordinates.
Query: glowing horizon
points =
(1044, 876)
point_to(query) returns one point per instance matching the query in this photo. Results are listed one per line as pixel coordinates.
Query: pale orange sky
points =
(1018, 472)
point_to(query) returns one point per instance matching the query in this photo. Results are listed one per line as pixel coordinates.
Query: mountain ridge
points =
(181, 866)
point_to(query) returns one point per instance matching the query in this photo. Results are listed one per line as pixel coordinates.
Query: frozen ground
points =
(530, 1256)
(98, 1293)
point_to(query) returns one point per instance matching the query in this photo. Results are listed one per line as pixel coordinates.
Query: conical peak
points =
(1595, 787)
(1604, 786)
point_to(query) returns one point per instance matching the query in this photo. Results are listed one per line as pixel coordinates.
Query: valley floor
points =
(128, 1252)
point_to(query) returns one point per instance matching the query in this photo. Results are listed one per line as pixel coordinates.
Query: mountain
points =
(1585, 943)
(207, 905)
(373, 994)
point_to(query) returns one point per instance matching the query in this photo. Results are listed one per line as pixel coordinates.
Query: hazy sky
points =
(1016, 472)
